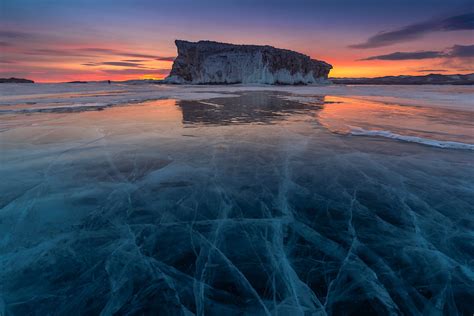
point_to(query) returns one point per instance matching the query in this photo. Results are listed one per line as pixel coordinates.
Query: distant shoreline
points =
(431, 79)
(436, 79)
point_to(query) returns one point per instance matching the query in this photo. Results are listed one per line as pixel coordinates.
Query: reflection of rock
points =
(207, 62)
(252, 107)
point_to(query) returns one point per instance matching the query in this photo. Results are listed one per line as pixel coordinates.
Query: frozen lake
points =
(236, 200)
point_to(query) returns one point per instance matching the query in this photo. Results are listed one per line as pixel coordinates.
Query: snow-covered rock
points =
(207, 62)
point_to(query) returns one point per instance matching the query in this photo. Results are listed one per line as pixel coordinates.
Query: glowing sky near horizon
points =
(53, 40)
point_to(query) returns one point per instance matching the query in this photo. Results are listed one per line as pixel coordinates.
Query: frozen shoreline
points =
(104, 95)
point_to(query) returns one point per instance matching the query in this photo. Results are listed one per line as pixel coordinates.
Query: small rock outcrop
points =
(15, 80)
(207, 62)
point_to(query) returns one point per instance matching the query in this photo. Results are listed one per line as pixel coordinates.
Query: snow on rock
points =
(207, 62)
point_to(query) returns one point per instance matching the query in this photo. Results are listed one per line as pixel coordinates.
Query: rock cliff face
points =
(207, 62)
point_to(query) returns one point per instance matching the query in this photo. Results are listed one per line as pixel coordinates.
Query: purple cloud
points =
(414, 31)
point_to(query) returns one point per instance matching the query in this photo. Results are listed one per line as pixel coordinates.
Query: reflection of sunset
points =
(150, 112)
(342, 115)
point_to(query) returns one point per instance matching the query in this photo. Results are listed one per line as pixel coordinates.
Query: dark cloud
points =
(134, 60)
(457, 51)
(413, 31)
(458, 22)
(135, 71)
(56, 52)
(462, 51)
(116, 63)
(14, 35)
(94, 52)
(432, 70)
(164, 58)
(133, 55)
(98, 50)
(122, 64)
(116, 52)
(406, 55)
(11, 38)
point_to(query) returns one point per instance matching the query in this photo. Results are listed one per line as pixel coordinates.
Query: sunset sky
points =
(62, 40)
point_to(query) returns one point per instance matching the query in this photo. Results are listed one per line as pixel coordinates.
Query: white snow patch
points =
(357, 131)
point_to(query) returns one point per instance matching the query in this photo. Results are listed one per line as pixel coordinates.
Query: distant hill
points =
(410, 80)
(15, 80)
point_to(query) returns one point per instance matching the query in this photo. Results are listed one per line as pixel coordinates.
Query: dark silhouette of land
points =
(15, 80)
(410, 80)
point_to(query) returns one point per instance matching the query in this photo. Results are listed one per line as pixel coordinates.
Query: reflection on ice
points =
(263, 107)
(346, 115)
(128, 211)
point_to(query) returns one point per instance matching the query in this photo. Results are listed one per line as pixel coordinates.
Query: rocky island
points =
(15, 80)
(207, 62)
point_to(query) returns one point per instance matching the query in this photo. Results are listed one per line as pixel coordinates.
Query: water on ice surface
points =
(235, 201)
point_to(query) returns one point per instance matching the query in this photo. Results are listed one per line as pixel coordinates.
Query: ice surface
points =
(247, 203)
(46, 95)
